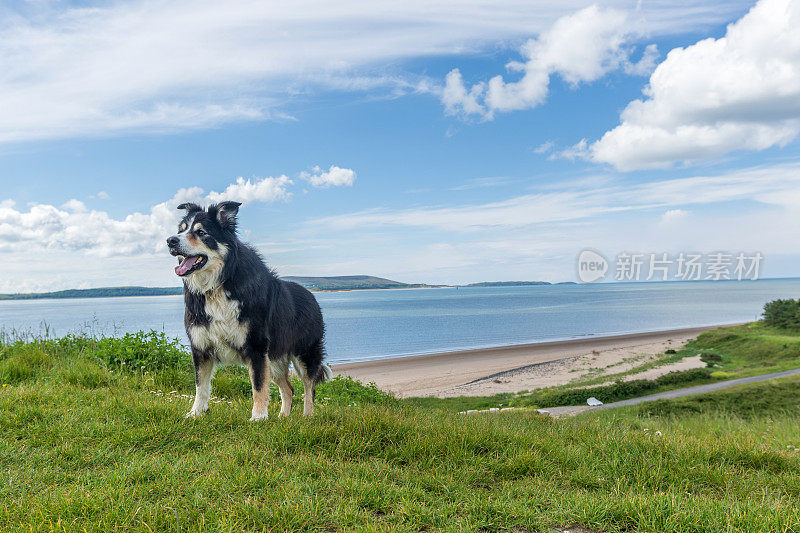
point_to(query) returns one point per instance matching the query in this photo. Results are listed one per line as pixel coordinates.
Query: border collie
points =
(239, 312)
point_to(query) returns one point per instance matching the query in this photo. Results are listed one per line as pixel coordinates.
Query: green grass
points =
(87, 443)
(750, 349)
(775, 398)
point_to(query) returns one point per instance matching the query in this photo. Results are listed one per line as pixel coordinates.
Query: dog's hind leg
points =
(309, 386)
(259, 379)
(203, 372)
(280, 375)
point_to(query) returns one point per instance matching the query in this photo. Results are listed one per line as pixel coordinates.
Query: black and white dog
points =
(239, 312)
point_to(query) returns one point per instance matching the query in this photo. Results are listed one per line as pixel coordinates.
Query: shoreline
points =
(471, 372)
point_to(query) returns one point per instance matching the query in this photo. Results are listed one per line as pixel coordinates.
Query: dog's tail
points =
(326, 374)
(323, 372)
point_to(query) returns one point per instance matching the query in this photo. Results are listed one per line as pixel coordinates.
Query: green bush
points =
(711, 359)
(151, 350)
(782, 314)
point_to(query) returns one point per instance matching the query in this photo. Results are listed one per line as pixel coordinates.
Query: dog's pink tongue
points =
(186, 265)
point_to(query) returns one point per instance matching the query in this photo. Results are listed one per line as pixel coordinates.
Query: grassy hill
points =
(92, 438)
(340, 283)
(507, 283)
(103, 292)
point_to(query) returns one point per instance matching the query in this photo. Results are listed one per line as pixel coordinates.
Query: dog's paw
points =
(256, 418)
(195, 413)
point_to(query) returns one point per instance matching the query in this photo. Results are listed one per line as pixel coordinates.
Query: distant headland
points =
(315, 283)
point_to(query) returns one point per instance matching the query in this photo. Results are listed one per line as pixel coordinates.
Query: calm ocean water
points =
(376, 324)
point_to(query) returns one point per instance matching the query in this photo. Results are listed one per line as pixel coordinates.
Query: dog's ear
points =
(190, 207)
(226, 214)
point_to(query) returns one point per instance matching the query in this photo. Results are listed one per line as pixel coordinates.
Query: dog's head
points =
(203, 241)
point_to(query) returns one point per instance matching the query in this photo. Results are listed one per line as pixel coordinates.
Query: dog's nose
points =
(172, 242)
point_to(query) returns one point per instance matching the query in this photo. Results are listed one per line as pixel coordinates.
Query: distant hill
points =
(333, 283)
(103, 292)
(350, 283)
(318, 283)
(506, 283)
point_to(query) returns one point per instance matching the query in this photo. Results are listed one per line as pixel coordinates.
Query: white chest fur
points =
(225, 335)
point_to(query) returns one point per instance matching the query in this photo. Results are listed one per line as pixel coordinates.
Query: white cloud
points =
(482, 183)
(333, 177)
(581, 47)
(74, 228)
(776, 186)
(578, 150)
(457, 99)
(739, 92)
(148, 66)
(259, 190)
(103, 195)
(646, 64)
(74, 205)
(544, 148)
(538, 235)
(673, 216)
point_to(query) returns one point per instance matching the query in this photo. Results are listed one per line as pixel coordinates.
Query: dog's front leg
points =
(259, 379)
(203, 371)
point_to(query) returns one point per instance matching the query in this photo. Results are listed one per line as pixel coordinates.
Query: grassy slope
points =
(85, 443)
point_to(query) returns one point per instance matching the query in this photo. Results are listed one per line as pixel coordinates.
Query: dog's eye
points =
(201, 233)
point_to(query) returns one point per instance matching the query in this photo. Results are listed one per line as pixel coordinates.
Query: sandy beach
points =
(521, 367)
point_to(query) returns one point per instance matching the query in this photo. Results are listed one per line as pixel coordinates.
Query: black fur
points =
(284, 319)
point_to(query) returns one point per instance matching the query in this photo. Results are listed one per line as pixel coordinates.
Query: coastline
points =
(508, 368)
(24, 298)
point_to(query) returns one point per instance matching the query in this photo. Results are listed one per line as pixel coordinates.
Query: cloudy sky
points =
(426, 141)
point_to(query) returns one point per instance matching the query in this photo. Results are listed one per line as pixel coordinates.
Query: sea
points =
(376, 324)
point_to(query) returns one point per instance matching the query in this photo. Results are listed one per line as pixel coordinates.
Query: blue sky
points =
(362, 152)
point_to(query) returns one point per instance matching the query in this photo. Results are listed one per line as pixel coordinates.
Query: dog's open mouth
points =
(189, 264)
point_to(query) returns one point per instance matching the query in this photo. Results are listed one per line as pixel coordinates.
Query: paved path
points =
(690, 391)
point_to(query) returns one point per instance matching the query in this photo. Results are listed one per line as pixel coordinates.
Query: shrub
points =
(151, 350)
(684, 376)
(670, 351)
(782, 314)
(710, 359)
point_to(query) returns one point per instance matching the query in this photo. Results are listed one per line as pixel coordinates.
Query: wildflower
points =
(658, 433)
